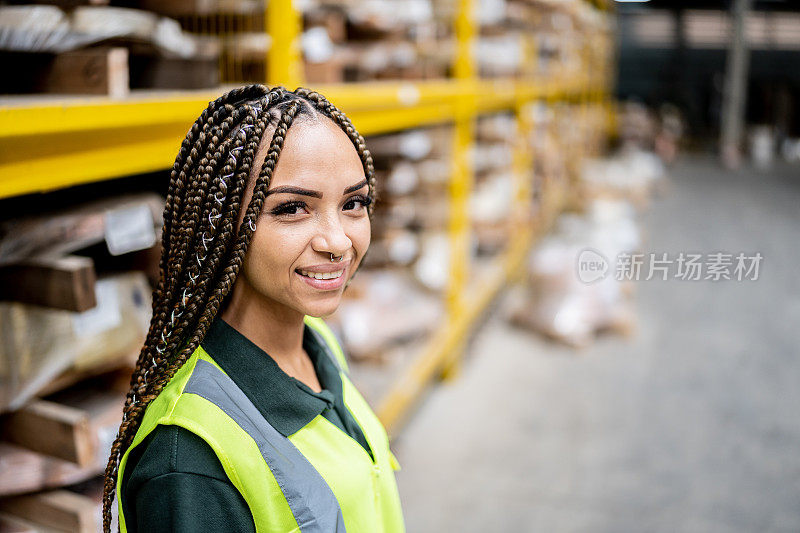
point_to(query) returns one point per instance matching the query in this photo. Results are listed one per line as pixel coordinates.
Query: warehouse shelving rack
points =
(47, 143)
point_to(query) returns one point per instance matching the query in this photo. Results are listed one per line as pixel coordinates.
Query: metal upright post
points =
(522, 213)
(461, 179)
(284, 58)
(735, 90)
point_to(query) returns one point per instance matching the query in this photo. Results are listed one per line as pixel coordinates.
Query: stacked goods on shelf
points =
(235, 27)
(100, 50)
(75, 288)
(54, 451)
(558, 302)
(506, 42)
(395, 40)
(524, 38)
(580, 279)
(548, 161)
(341, 41)
(414, 169)
(492, 196)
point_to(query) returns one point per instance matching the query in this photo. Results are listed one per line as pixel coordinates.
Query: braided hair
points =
(202, 250)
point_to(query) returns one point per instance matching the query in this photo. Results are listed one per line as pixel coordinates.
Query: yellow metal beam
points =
(285, 55)
(37, 163)
(26, 116)
(60, 143)
(461, 177)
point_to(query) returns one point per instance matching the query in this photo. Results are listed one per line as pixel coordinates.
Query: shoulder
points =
(177, 484)
(173, 449)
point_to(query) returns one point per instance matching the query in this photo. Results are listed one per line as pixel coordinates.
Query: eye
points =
(363, 202)
(288, 208)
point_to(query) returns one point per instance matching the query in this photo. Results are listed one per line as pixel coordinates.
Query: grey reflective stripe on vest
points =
(311, 500)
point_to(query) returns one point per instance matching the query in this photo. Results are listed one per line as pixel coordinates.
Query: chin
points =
(322, 309)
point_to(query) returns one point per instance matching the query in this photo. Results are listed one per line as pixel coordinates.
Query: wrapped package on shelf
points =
(556, 301)
(424, 213)
(500, 55)
(432, 267)
(381, 60)
(188, 8)
(498, 127)
(379, 18)
(333, 19)
(491, 155)
(402, 179)
(413, 145)
(131, 48)
(490, 209)
(434, 170)
(394, 247)
(40, 343)
(126, 223)
(633, 175)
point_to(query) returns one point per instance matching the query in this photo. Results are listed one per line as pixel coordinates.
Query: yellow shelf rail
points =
(73, 141)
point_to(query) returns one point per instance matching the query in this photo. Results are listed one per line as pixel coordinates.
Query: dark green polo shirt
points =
(174, 480)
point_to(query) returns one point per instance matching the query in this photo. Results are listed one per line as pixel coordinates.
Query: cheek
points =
(269, 256)
(361, 234)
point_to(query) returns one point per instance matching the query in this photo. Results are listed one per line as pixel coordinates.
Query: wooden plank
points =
(23, 470)
(40, 343)
(63, 232)
(59, 509)
(90, 71)
(69, 4)
(13, 524)
(116, 373)
(52, 429)
(58, 282)
(155, 72)
(26, 471)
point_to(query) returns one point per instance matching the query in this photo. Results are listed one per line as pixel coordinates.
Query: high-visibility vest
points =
(319, 479)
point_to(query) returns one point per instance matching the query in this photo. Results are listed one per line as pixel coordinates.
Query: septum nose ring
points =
(337, 260)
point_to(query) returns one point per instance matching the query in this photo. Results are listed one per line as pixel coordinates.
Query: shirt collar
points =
(286, 402)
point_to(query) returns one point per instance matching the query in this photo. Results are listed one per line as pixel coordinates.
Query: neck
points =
(276, 329)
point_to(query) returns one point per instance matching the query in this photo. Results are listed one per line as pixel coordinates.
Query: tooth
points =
(322, 275)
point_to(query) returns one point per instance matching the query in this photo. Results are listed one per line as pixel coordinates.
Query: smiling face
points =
(316, 204)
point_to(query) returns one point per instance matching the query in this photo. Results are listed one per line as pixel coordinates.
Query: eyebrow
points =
(315, 194)
(355, 187)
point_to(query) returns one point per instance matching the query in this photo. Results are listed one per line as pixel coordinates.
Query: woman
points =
(241, 416)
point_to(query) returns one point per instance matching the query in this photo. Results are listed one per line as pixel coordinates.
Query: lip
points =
(325, 284)
(326, 267)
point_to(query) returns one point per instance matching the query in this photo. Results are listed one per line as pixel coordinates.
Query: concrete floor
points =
(691, 425)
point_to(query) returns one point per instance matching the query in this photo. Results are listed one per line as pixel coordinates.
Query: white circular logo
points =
(592, 266)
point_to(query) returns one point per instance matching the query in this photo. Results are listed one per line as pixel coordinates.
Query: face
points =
(316, 204)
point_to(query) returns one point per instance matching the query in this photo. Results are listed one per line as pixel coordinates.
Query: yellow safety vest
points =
(319, 479)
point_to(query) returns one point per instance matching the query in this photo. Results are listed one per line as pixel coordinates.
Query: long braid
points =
(202, 252)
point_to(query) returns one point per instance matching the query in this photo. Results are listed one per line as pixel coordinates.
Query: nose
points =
(331, 237)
